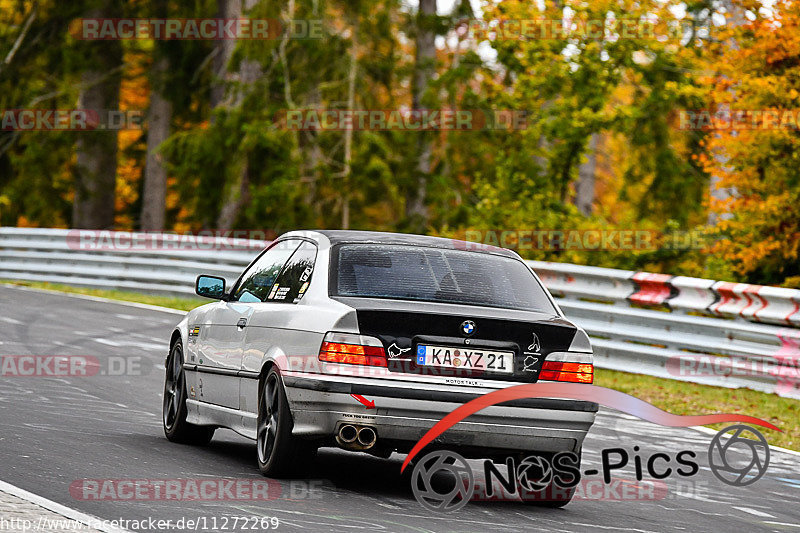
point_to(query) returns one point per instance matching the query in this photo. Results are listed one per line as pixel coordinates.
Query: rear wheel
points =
(279, 452)
(176, 428)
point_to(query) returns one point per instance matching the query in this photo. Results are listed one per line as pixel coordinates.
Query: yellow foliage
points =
(134, 97)
(759, 163)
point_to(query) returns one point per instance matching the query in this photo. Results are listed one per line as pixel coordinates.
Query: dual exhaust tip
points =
(356, 437)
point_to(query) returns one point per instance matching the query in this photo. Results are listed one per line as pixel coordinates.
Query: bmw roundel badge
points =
(468, 327)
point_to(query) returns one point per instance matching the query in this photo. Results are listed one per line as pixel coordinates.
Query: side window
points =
(296, 275)
(258, 279)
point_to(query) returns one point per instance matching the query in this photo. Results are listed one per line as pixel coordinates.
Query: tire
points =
(553, 496)
(173, 411)
(279, 453)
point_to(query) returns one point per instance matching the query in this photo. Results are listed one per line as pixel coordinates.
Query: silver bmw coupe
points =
(364, 340)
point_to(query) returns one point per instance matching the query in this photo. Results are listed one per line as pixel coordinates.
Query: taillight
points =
(352, 349)
(575, 368)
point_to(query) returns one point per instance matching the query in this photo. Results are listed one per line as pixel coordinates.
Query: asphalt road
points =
(56, 431)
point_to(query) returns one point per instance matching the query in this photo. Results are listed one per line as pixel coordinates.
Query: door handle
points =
(242, 323)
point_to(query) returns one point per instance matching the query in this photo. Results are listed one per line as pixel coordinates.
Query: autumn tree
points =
(159, 118)
(96, 168)
(424, 69)
(753, 145)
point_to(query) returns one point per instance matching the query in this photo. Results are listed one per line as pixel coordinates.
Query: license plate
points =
(465, 358)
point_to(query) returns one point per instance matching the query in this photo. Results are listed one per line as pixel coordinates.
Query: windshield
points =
(436, 275)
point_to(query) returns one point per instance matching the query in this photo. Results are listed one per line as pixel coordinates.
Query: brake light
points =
(574, 372)
(352, 349)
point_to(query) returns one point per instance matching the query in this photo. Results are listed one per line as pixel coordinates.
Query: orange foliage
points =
(759, 71)
(134, 96)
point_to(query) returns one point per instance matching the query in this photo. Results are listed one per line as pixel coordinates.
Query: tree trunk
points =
(226, 9)
(584, 189)
(159, 116)
(96, 171)
(424, 69)
(348, 134)
(237, 194)
(309, 143)
(734, 17)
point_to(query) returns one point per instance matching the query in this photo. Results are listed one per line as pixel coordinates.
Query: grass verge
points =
(682, 398)
(184, 304)
(678, 397)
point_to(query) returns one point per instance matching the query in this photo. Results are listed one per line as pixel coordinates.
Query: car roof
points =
(409, 239)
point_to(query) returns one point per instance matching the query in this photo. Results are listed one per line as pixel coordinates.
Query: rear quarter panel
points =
(289, 336)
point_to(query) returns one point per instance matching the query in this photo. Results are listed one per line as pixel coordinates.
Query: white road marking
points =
(104, 300)
(754, 512)
(10, 320)
(147, 345)
(108, 342)
(699, 498)
(770, 522)
(388, 505)
(789, 481)
(73, 514)
(709, 431)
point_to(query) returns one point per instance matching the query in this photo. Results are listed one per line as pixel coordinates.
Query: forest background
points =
(618, 129)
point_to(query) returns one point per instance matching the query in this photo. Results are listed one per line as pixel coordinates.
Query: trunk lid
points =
(446, 332)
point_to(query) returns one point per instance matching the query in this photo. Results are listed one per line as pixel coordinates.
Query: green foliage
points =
(622, 93)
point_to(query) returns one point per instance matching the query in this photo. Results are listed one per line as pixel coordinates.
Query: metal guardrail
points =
(755, 303)
(148, 262)
(690, 329)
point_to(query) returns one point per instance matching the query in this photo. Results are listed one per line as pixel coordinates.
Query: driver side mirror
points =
(210, 286)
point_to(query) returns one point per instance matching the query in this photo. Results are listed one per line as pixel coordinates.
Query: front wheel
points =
(279, 452)
(176, 428)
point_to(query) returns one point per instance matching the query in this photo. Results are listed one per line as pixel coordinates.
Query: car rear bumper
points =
(405, 411)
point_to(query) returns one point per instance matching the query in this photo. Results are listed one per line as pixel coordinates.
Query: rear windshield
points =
(436, 275)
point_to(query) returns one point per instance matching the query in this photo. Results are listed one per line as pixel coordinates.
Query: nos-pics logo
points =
(443, 480)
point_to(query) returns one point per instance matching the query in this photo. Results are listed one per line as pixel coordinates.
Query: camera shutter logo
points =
(442, 481)
(739, 460)
(534, 473)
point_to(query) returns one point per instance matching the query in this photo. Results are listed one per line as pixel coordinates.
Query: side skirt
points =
(206, 414)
